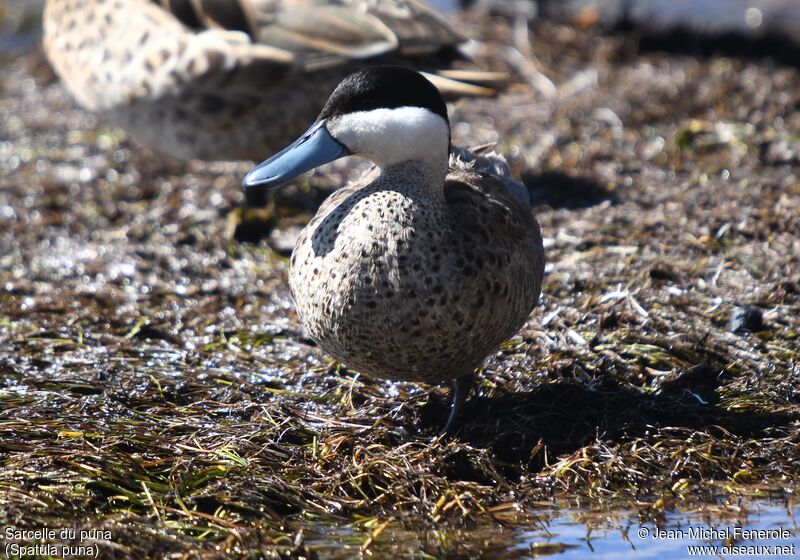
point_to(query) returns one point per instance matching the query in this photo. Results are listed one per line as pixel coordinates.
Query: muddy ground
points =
(154, 381)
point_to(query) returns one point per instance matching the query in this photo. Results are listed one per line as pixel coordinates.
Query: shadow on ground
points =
(559, 190)
(777, 47)
(526, 430)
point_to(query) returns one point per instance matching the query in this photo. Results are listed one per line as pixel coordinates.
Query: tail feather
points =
(484, 77)
(453, 89)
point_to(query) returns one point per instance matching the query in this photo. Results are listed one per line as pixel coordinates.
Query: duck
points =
(423, 266)
(232, 80)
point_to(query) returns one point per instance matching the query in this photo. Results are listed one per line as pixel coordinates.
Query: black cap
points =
(384, 87)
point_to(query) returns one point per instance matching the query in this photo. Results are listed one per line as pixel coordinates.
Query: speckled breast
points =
(385, 283)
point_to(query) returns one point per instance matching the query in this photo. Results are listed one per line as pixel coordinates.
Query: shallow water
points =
(582, 533)
(680, 535)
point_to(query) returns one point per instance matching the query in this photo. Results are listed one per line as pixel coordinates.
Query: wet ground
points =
(154, 381)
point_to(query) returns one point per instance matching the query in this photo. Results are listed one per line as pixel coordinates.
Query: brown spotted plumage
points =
(401, 279)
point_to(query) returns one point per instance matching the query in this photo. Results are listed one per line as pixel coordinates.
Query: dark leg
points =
(461, 387)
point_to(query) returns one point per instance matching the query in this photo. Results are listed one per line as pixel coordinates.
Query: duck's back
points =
(400, 284)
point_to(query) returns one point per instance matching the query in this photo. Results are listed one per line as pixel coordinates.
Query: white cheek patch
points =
(388, 136)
